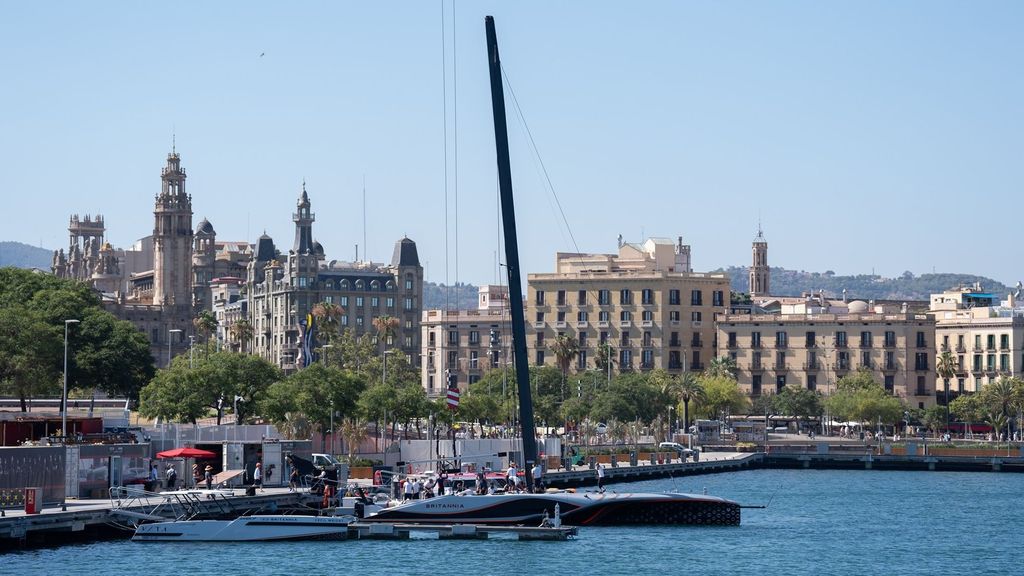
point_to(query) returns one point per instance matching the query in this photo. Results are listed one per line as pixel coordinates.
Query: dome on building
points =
(318, 249)
(858, 307)
(205, 227)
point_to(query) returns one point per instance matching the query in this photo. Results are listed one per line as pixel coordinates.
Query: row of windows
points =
(842, 362)
(989, 341)
(624, 316)
(604, 297)
(757, 384)
(840, 340)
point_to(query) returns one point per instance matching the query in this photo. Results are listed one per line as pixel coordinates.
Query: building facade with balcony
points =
(813, 344)
(984, 334)
(281, 291)
(645, 303)
(461, 345)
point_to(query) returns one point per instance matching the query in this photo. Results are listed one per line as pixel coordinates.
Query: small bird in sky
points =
(261, 54)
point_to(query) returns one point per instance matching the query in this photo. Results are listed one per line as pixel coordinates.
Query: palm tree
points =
(353, 430)
(946, 367)
(242, 333)
(206, 323)
(1002, 397)
(689, 388)
(566, 349)
(721, 367)
(385, 326)
(328, 317)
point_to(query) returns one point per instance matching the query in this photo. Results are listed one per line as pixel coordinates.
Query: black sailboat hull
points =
(576, 509)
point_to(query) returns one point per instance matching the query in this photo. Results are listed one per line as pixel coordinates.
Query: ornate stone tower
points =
(759, 271)
(172, 238)
(303, 258)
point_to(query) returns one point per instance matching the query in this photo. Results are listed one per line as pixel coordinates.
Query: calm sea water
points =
(820, 522)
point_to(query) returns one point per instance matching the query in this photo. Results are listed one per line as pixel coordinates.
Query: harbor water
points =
(821, 522)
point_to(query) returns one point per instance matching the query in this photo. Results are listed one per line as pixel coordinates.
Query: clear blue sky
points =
(864, 135)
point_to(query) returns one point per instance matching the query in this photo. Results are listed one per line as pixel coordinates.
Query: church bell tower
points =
(759, 271)
(172, 238)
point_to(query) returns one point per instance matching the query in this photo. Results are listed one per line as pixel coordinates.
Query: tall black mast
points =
(515, 289)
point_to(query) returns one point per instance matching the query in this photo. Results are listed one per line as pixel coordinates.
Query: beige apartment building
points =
(984, 334)
(814, 343)
(645, 303)
(462, 345)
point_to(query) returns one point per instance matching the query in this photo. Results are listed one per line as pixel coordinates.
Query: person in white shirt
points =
(600, 477)
(257, 477)
(511, 476)
(538, 473)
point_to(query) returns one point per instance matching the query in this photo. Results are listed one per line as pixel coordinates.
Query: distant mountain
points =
(21, 255)
(458, 297)
(862, 286)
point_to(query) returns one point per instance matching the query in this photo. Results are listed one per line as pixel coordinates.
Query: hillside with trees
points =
(460, 296)
(21, 255)
(862, 286)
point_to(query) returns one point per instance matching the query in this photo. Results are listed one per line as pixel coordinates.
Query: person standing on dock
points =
(172, 476)
(208, 477)
(511, 476)
(257, 476)
(196, 475)
(600, 477)
(538, 472)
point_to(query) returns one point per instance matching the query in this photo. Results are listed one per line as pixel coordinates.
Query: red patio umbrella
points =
(186, 453)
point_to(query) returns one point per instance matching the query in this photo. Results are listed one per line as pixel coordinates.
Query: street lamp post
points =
(64, 396)
(170, 340)
(191, 349)
(325, 348)
(384, 373)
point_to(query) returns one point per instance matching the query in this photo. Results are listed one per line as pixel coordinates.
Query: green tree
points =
(184, 393)
(328, 318)
(102, 351)
(111, 355)
(206, 323)
(565, 349)
(242, 333)
(859, 397)
(722, 397)
(721, 367)
(385, 326)
(946, 367)
(30, 355)
(315, 392)
(968, 408)
(799, 402)
(353, 431)
(604, 360)
(934, 418)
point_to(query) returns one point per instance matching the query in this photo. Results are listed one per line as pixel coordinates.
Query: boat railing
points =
(137, 506)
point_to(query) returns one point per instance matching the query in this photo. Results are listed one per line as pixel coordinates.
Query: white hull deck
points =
(245, 529)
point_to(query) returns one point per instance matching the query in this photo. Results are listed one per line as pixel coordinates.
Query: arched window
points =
(344, 284)
(374, 285)
(359, 284)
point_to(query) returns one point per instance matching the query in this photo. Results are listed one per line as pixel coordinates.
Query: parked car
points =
(683, 451)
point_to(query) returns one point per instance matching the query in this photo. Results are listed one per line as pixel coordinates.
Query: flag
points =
(453, 398)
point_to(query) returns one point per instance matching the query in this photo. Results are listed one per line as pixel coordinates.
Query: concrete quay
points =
(96, 519)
